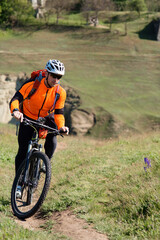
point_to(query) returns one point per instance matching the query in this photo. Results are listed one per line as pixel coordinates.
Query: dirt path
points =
(32, 223)
(65, 223)
(75, 228)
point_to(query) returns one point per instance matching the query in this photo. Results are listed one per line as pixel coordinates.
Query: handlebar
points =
(39, 123)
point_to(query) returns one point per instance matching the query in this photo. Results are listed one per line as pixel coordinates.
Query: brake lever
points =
(25, 121)
(61, 133)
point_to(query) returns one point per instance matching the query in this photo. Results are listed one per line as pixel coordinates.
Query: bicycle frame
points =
(34, 145)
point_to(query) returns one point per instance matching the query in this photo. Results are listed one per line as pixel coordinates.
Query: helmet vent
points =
(55, 66)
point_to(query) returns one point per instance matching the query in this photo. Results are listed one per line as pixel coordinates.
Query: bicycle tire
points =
(19, 205)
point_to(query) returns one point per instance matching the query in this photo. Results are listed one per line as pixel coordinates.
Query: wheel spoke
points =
(34, 189)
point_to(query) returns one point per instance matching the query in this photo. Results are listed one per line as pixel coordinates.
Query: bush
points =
(13, 11)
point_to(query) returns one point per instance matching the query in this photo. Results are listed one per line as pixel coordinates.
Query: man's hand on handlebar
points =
(18, 115)
(64, 130)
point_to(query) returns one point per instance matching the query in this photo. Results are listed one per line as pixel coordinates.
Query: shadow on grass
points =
(149, 32)
(80, 32)
(50, 27)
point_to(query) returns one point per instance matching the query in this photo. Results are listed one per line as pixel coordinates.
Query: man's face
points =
(53, 79)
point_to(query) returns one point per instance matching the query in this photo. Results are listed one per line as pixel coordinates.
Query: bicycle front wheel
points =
(34, 189)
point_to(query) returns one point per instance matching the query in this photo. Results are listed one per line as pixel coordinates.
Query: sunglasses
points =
(55, 75)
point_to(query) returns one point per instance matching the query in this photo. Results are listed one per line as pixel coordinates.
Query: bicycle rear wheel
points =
(35, 189)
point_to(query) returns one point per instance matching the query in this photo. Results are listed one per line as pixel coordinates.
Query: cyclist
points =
(40, 104)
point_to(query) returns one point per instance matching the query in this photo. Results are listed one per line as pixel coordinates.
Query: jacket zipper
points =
(43, 103)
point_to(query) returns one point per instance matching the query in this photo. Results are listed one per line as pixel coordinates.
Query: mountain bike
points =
(33, 176)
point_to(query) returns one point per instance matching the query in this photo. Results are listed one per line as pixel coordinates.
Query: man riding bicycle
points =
(46, 102)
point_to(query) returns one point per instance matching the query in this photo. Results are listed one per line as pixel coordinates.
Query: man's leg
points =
(50, 145)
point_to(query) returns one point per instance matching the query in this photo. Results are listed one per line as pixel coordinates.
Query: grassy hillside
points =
(103, 182)
(111, 72)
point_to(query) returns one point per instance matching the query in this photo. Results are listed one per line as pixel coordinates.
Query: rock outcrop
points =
(78, 120)
(81, 121)
(8, 84)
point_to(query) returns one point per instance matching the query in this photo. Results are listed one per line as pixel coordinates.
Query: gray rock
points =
(81, 121)
(8, 86)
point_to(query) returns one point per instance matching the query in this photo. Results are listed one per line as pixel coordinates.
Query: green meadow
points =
(111, 72)
(101, 180)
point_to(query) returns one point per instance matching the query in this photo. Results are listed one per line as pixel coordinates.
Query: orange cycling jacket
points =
(41, 102)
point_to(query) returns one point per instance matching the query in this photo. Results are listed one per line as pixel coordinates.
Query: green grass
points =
(109, 70)
(105, 183)
(102, 181)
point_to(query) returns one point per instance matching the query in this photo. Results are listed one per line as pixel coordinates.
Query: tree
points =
(96, 6)
(137, 5)
(6, 10)
(58, 6)
(86, 8)
(120, 4)
(13, 10)
(153, 6)
(22, 10)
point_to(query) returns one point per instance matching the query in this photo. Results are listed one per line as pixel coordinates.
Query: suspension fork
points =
(29, 151)
(27, 162)
(36, 174)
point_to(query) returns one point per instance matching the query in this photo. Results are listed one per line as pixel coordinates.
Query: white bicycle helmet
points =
(55, 66)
